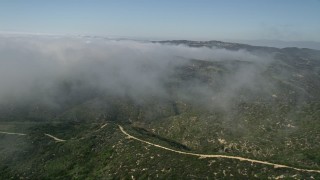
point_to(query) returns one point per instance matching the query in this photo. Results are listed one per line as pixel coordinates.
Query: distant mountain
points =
(232, 46)
(282, 44)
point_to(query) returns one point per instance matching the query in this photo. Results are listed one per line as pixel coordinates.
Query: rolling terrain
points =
(253, 114)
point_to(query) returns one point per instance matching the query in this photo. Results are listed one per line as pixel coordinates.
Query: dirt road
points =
(55, 138)
(11, 133)
(186, 153)
(218, 156)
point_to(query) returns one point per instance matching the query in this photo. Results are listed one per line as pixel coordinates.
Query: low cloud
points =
(47, 69)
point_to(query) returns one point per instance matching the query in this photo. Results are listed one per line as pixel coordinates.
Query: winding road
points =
(22, 134)
(218, 156)
(186, 153)
(11, 133)
(55, 138)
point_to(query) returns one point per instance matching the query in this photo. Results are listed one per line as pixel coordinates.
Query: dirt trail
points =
(49, 135)
(55, 138)
(21, 134)
(104, 125)
(187, 153)
(101, 127)
(11, 133)
(218, 156)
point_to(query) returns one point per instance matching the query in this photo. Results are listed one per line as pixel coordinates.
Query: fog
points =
(47, 69)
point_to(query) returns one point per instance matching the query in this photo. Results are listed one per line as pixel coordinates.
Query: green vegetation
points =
(276, 120)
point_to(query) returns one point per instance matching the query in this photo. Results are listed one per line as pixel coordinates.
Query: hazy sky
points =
(288, 20)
